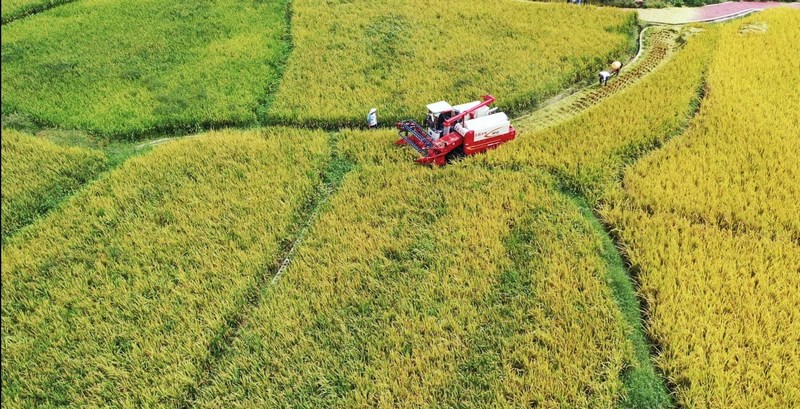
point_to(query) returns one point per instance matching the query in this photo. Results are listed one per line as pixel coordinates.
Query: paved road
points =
(683, 15)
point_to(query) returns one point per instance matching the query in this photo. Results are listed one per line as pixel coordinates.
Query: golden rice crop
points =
(738, 166)
(399, 55)
(723, 308)
(710, 221)
(38, 174)
(116, 298)
(420, 287)
(588, 151)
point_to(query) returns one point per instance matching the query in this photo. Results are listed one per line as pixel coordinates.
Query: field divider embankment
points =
(333, 175)
(32, 11)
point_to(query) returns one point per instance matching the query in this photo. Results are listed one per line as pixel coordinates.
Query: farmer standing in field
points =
(372, 118)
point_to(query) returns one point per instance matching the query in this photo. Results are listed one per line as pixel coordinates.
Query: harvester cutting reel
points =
(467, 128)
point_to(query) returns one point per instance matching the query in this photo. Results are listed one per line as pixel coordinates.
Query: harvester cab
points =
(467, 128)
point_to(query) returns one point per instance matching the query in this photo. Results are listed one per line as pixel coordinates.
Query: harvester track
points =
(657, 46)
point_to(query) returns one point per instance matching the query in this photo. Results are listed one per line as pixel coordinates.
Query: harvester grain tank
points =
(467, 128)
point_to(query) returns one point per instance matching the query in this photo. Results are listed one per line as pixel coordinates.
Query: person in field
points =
(372, 118)
(604, 76)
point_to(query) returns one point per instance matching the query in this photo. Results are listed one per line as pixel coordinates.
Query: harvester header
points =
(467, 128)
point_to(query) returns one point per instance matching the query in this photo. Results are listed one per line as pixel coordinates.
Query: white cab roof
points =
(439, 107)
(464, 107)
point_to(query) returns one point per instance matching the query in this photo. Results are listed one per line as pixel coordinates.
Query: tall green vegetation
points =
(398, 55)
(38, 175)
(127, 68)
(119, 297)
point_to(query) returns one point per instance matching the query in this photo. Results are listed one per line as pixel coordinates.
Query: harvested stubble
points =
(117, 298)
(38, 175)
(421, 287)
(588, 152)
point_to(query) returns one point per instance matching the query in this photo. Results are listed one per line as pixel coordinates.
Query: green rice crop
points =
(118, 298)
(399, 55)
(127, 68)
(38, 175)
(13, 9)
(419, 287)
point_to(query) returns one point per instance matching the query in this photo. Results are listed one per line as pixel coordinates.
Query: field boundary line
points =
(332, 176)
(21, 15)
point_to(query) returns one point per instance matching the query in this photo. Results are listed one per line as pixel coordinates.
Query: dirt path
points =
(711, 13)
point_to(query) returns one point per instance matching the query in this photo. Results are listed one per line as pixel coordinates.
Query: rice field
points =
(588, 152)
(14, 9)
(399, 55)
(454, 287)
(125, 69)
(38, 175)
(643, 251)
(119, 297)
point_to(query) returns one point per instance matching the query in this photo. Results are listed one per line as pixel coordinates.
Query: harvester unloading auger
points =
(469, 128)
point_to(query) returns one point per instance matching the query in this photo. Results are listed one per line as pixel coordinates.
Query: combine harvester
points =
(467, 128)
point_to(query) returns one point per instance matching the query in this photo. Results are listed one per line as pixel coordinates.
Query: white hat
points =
(373, 110)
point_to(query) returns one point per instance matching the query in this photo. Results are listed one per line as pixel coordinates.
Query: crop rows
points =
(588, 152)
(710, 223)
(118, 297)
(37, 175)
(124, 69)
(461, 286)
(399, 55)
(659, 46)
(736, 159)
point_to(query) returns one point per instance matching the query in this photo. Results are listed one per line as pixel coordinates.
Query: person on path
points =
(372, 118)
(604, 76)
(616, 66)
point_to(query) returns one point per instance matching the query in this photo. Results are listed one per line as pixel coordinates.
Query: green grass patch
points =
(131, 68)
(644, 387)
(38, 175)
(399, 55)
(117, 298)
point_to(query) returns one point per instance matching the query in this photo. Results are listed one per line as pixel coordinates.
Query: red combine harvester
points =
(469, 128)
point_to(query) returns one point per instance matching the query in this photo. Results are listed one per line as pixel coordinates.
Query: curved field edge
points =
(733, 260)
(398, 56)
(175, 247)
(38, 175)
(377, 308)
(130, 70)
(18, 9)
(586, 163)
